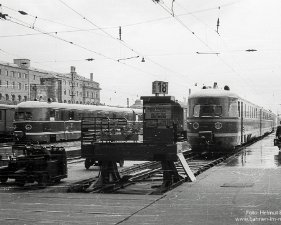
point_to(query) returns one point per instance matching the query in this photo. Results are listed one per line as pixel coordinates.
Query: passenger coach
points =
(51, 121)
(7, 113)
(219, 120)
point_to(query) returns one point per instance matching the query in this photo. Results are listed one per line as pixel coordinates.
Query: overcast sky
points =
(57, 34)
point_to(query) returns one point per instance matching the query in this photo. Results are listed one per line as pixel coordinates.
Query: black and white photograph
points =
(145, 112)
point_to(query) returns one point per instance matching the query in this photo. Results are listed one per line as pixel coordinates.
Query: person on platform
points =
(278, 132)
(278, 135)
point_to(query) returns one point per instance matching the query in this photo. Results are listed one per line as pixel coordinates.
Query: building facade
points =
(20, 82)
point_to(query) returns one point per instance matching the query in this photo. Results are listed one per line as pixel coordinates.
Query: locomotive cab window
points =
(207, 111)
(28, 116)
(19, 116)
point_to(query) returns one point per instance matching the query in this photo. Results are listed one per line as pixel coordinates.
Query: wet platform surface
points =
(245, 189)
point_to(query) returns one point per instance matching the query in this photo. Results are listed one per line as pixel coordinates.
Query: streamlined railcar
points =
(45, 122)
(219, 120)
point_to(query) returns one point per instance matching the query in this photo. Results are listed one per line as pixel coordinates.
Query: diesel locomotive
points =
(45, 122)
(219, 120)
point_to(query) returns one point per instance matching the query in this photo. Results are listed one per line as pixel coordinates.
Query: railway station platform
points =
(245, 189)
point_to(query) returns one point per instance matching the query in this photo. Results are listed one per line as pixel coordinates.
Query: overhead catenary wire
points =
(121, 41)
(164, 7)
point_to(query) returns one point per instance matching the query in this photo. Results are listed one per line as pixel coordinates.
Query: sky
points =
(179, 41)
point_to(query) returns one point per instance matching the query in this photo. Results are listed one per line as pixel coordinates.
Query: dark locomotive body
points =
(7, 113)
(45, 122)
(219, 120)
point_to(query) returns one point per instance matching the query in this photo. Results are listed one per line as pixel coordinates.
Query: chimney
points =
(91, 76)
(72, 69)
(23, 63)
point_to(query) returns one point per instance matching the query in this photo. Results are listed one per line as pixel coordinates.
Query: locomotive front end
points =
(212, 125)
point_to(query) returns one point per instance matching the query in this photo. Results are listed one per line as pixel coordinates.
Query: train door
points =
(242, 123)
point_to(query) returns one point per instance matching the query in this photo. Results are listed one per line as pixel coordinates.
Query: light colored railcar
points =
(45, 122)
(219, 120)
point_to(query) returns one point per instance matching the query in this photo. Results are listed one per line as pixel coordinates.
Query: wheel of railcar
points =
(3, 180)
(43, 181)
(121, 163)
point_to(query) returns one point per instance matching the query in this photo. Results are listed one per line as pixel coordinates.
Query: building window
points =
(13, 85)
(12, 73)
(0, 83)
(25, 98)
(0, 96)
(19, 98)
(64, 92)
(25, 87)
(7, 83)
(77, 93)
(7, 73)
(19, 86)
(7, 97)
(25, 76)
(19, 75)
(0, 71)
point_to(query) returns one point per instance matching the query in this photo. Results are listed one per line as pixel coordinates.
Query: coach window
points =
(239, 109)
(52, 115)
(71, 115)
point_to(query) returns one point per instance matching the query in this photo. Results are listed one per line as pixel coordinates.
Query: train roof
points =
(220, 93)
(56, 105)
(5, 106)
(213, 93)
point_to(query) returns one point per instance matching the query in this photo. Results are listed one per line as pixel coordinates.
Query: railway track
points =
(146, 174)
(151, 174)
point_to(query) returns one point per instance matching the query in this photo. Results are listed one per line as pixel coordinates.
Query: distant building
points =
(137, 105)
(20, 82)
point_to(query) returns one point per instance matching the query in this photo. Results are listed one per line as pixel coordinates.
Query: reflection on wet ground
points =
(259, 155)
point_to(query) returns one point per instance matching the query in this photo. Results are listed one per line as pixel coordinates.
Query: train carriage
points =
(6, 121)
(219, 120)
(45, 122)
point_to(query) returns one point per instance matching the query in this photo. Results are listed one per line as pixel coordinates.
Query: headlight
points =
(218, 125)
(195, 125)
(28, 127)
